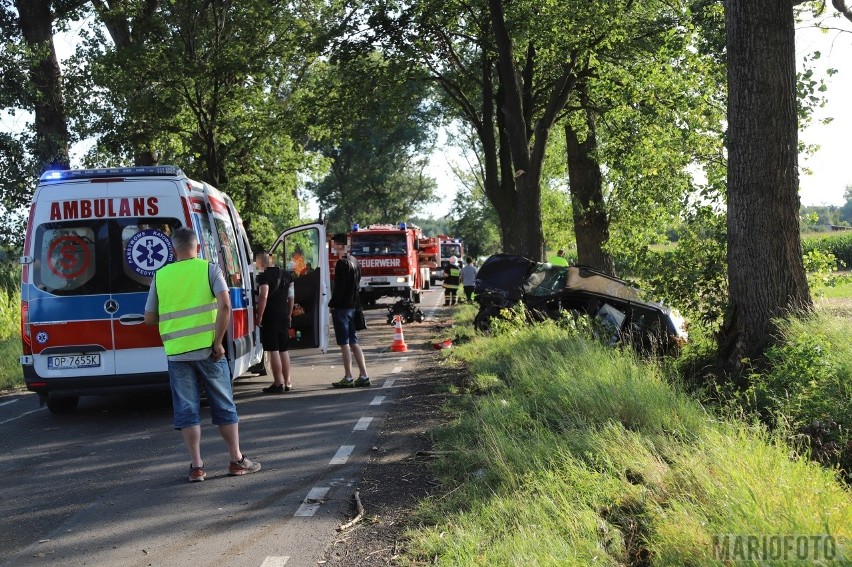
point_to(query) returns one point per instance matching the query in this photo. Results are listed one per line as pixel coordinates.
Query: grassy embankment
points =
(563, 451)
(10, 341)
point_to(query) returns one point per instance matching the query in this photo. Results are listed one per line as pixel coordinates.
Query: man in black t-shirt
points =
(274, 311)
(344, 301)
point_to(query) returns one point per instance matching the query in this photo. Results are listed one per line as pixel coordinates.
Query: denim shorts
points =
(344, 326)
(186, 379)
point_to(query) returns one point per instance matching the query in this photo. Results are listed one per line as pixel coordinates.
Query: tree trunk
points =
(52, 137)
(591, 223)
(496, 159)
(765, 270)
(524, 234)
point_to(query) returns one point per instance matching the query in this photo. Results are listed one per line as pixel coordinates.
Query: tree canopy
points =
(599, 123)
(373, 123)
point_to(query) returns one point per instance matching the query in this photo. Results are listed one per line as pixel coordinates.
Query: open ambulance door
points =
(302, 251)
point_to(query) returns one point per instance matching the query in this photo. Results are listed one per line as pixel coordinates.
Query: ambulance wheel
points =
(431, 282)
(416, 298)
(63, 405)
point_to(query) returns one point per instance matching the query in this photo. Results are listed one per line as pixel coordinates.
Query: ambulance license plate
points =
(73, 361)
(379, 282)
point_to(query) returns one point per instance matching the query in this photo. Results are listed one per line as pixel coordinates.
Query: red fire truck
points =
(447, 247)
(389, 259)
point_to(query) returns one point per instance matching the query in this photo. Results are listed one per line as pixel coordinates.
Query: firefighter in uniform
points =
(452, 282)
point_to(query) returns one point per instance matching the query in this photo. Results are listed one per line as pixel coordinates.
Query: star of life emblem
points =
(148, 251)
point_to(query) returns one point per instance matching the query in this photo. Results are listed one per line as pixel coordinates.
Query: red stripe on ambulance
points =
(72, 333)
(137, 336)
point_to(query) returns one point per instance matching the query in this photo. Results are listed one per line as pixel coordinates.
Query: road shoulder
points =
(398, 474)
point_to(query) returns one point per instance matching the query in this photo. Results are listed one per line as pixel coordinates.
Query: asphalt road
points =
(106, 485)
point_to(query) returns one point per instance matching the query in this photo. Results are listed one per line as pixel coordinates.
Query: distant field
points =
(825, 234)
(839, 306)
(838, 291)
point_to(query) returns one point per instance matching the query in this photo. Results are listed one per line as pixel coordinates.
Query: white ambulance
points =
(94, 239)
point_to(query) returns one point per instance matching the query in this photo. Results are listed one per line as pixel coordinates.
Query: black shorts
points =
(275, 335)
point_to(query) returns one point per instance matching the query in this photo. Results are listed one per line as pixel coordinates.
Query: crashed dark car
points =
(547, 291)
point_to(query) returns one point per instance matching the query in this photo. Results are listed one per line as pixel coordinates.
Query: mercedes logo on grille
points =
(111, 306)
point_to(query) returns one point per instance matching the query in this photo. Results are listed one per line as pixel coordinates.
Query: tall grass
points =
(573, 453)
(10, 339)
(805, 388)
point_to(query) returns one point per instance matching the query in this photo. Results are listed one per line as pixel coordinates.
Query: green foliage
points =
(475, 222)
(433, 226)
(692, 275)
(820, 268)
(837, 244)
(806, 386)
(662, 126)
(10, 271)
(846, 209)
(371, 120)
(195, 85)
(19, 167)
(822, 217)
(10, 368)
(10, 326)
(810, 89)
(557, 219)
(10, 316)
(17, 179)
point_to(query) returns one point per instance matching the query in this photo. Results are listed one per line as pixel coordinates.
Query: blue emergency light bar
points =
(146, 171)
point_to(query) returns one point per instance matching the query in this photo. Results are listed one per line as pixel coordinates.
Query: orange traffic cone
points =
(398, 342)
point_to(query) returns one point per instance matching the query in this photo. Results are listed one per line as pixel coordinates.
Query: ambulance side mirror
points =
(26, 260)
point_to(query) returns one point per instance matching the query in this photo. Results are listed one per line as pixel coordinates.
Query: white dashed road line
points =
(396, 369)
(19, 416)
(342, 455)
(363, 424)
(377, 401)
(16, 399)
(388, 383)
(312, 501)
(275, 561)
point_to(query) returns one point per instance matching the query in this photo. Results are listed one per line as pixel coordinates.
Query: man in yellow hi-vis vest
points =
(189, 300)
(559, 259)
